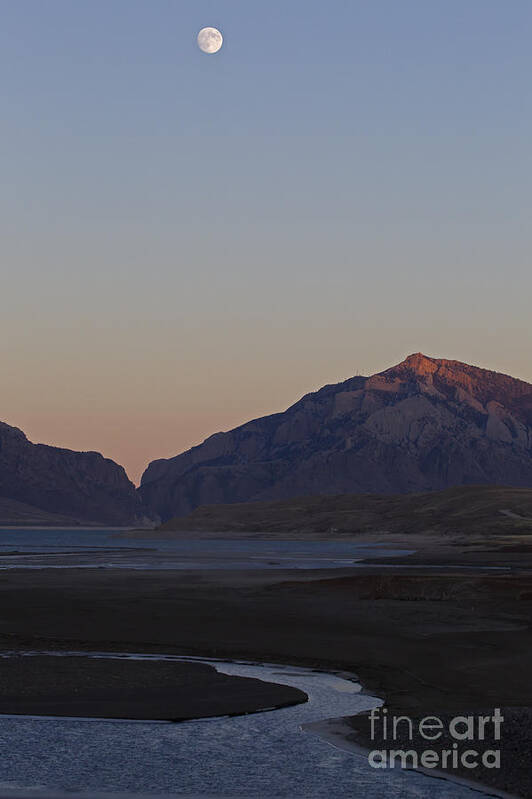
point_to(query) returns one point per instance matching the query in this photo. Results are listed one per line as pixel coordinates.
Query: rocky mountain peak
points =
(425, 424)
(460, 381)
(417, 363)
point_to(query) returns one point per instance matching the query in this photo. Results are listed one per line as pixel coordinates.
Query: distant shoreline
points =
(74, 528)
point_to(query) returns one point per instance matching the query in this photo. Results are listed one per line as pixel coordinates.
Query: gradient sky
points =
(191, 241)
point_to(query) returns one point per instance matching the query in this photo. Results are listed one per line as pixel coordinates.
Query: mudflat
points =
(130, 689)
(440, 631)
(440, 634)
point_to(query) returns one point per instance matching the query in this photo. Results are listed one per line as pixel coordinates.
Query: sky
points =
(190, 241)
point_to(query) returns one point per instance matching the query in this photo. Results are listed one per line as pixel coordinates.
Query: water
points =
(267, 754)
(106, 549)
(260, 755)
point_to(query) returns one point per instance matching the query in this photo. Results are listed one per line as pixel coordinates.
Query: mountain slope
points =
(470, 510)
(83, 486)
(19, 514)
(425, 424)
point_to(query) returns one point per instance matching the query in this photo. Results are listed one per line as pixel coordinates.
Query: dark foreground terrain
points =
(439, 632)
(129, 689)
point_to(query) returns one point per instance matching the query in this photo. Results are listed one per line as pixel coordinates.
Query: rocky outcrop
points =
(425, 424)
(82, 486)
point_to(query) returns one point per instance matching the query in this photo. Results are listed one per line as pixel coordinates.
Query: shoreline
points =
(75, 528)
(286, 731)
(426, 638)
(336, 731)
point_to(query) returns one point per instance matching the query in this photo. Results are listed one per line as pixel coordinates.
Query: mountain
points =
(41, 484)
(423, 425)
(20, 514)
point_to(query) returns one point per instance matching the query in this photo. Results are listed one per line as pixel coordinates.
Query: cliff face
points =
(83, 486)
(425, 424)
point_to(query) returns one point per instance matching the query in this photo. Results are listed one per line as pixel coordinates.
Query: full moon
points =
(210, 40)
